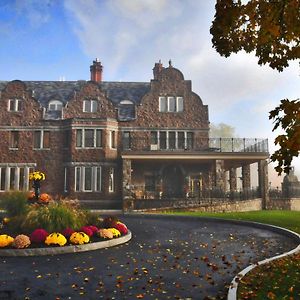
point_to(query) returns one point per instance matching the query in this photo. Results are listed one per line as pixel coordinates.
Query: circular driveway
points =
(167, 258)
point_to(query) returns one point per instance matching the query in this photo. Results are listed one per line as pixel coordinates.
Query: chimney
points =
(96, 71)
(158, 67)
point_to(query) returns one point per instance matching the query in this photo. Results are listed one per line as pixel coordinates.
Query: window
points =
(163, 106)
(41, 139)
(113, 139)
(111, 178)
(88, 138)
(2, 179)
(171, 104)
(14, 140)
(126, 110)
(179, 104)
(163, 140)
(90, 106)
(88, 179)
(55, 105)
(153, 137)
(14, 178)
(171, 140)
(14, 105)
(180, 140)
(190, 140)
(66, 179)
(126, 140)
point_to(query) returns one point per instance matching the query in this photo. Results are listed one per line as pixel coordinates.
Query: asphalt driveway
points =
(167, 258)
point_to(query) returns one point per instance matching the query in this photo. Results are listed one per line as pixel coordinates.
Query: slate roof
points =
(44, 91)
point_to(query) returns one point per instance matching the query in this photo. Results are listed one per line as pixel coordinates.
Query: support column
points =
(127, 186)
(263, 183)
(246, 177)
(232, 179)
(220, 175)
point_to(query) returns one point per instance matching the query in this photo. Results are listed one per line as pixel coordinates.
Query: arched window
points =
(55, 105)
(126, 110)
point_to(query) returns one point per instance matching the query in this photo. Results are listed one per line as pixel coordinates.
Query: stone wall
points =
(212, 205)
(285, 204)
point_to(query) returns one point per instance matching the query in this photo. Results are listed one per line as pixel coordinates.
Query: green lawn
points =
(280, 278)
(282, 218)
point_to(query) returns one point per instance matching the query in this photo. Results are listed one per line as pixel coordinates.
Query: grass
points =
(282, 218)
(278, 279)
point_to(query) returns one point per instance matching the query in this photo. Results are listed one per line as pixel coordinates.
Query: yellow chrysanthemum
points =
(79, 238)
(37, 175)
(5, 240)
(55, 239)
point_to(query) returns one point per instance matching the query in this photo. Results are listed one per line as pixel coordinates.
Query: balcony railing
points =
(200, 144)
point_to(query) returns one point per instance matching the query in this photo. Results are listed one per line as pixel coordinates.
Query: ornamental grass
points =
(55, 238)
(14, 203)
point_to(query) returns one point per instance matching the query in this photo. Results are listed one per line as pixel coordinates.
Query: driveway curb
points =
(232, 292)
(67, 249)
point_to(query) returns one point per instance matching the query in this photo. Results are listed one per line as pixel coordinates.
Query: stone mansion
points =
(113, 144)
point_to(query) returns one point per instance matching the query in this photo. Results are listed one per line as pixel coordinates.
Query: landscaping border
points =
(67, 249)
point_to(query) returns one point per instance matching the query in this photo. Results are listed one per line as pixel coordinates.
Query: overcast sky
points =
(51, 39)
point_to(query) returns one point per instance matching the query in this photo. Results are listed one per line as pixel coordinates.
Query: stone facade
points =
(105, 142)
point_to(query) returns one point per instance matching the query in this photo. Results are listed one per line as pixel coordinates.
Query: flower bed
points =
(59, 224)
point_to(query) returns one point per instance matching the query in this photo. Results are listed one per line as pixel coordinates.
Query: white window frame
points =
(41, 142)
(66, 171)
(168, 106)
(111, 185)
(176, 139)
(16, 105)
(160, 104)
(94, 179)
(17, 177)
(58, 105)
(92, 106)
(18, 138)
(94, 138)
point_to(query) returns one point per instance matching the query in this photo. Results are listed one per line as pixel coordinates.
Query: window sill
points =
(39, 149)
(14, 149)
(83, 148)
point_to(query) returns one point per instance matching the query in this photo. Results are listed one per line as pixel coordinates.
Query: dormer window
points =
(14, 105)
(55, 105)
(170, 104)
(126, 110)
(90, 106)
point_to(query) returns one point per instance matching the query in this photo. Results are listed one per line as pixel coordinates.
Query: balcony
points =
(235, 145)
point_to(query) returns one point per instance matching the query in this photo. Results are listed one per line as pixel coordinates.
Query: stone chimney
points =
(158, 67)
(96, 71)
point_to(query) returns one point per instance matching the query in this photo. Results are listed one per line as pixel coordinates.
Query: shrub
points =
(15, 203)
(55, 217)
(5, 240)
(79, 238)
(21, 241)
(55, 239)
(38, 236)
